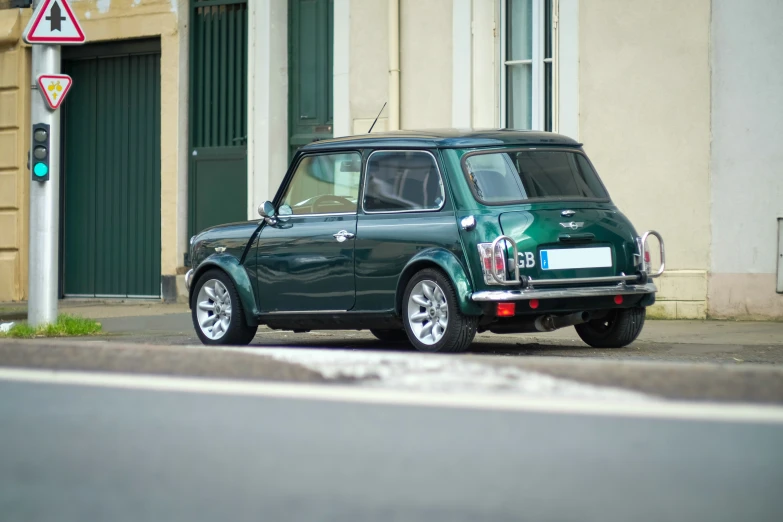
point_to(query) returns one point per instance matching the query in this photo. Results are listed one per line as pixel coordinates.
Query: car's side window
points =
(400, 181)
(325, 184)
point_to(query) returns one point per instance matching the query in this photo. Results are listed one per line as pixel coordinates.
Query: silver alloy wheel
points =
(213, 309)
(428, 312)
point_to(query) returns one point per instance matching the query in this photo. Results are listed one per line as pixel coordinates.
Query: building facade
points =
(675, 102)
(124, 162)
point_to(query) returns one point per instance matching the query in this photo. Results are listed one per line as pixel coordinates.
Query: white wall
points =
(567, 89)
(343, 126)
(746, 156)
(267, 101)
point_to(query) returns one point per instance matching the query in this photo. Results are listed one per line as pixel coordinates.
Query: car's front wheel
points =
(617, 329)
(217, 312)
(431, 314)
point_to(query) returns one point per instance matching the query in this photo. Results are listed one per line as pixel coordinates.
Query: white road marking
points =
(747, 413)
(438, 373)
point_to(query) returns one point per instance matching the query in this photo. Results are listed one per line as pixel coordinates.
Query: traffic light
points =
(40, 155)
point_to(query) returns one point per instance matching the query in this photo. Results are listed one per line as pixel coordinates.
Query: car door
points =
(305, 261)
(405, 211)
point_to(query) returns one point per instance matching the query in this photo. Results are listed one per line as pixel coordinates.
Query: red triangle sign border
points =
(31, 39)
(67, 88)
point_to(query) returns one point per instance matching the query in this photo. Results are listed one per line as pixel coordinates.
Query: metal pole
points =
(43, 256)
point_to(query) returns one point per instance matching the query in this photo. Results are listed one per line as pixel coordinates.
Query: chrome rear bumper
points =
(560, 293)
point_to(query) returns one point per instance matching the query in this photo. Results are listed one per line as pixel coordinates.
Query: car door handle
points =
(343, 235)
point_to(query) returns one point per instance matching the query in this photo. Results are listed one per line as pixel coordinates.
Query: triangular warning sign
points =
(54, 87)
(54, 23)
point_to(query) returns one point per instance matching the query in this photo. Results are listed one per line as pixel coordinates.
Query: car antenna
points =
(376, 118)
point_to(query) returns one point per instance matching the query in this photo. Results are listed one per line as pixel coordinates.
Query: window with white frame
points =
(527, 71)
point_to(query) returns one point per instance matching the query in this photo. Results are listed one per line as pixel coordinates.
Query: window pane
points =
(547, 28)
(325, 184)
(494, 178)
(402, 181)
(519, 26)
(519, 97)
(548, 97)
(517, 176)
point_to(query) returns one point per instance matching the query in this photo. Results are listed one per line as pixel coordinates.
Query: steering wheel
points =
(318, 200)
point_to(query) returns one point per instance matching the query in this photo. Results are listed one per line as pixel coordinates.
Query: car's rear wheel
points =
(617, 329)
(431, 314)
(391, 336)
(217, 312)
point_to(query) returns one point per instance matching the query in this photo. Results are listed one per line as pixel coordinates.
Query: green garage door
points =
(217, 176)
(310, 68)
(111, 171)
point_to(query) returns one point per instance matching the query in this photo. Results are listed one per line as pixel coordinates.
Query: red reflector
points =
(646, 256)
(533, 303)
(506, 309)
(618, 299)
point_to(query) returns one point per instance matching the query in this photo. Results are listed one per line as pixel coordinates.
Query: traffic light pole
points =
(44, 199)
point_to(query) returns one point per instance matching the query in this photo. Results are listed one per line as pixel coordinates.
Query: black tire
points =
(391, 336)
(238, 331)
(619, 328)
(460, 329)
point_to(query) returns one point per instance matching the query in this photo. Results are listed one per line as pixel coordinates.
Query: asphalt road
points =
(73, 453)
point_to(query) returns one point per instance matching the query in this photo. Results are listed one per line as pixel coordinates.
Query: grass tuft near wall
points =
(66, 326)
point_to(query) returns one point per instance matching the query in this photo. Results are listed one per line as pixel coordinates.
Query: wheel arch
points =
(446, 262)
(236, 272)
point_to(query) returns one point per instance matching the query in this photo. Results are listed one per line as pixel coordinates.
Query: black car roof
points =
(443, 138)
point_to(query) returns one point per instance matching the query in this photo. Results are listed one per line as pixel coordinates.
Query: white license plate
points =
(570, 258)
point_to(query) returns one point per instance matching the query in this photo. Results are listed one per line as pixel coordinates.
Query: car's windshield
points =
(519, 175)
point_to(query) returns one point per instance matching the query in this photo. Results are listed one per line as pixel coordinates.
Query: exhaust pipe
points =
(549, 323)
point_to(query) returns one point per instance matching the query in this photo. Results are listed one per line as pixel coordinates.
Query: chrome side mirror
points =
(267, 212)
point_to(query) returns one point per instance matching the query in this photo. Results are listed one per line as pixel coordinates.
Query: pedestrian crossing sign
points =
(54, 23)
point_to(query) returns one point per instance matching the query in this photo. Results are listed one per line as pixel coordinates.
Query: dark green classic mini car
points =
(429, 238)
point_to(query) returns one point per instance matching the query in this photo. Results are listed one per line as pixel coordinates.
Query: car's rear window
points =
(519, 175)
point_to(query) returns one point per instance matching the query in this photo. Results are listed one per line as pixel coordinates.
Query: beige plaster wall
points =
(369, 64)
(425, 63)
(644, 102)
(14, 143)
(101, 20)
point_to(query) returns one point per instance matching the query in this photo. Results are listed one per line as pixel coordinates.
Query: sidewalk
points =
(99, 309)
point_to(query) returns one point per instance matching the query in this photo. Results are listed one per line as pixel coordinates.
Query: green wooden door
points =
(110, 202)
(310, 37)
(217, 177)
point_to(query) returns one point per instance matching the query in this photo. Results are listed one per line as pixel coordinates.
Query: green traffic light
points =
(40, 170)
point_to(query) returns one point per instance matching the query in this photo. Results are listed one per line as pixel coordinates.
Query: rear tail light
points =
(485, 251)
(506, 309)
(643, 256)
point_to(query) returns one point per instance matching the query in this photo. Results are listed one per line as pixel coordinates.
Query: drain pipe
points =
(394, 65)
